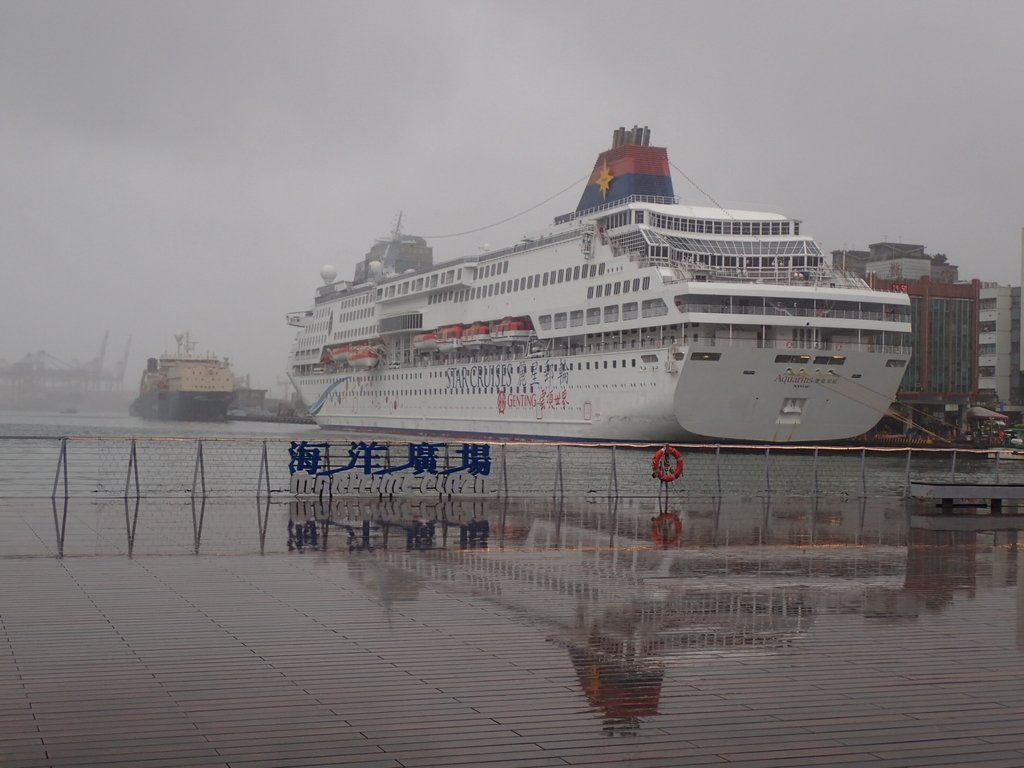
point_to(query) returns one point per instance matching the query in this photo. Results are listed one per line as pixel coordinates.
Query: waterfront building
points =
(941, 380)
(999, 371)
(902, 261)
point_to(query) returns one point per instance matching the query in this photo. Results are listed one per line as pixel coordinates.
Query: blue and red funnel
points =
(630, 167)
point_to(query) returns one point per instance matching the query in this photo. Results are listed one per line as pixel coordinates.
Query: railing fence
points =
(114, 467)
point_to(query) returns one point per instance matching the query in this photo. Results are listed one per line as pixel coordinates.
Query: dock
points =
(951, 495)
(210, 635)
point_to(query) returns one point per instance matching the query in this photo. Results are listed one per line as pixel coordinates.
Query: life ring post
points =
(667, 464)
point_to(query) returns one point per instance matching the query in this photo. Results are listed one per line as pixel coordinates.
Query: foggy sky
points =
(191, 165)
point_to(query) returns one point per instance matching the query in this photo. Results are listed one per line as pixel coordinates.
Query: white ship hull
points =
(562, 399)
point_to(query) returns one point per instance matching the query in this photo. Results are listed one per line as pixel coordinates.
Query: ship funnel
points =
(631, 167)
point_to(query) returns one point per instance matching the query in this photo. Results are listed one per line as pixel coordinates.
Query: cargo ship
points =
(185, 386)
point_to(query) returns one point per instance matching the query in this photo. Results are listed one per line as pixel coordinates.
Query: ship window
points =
(618, 287)
(560, 320)
(706, 356)
(607, 289)
(576, 273)
(545, 322)
(599, 291)
(895, 363)
(593, 316)
(654, 308)
(545, 281)
(561, 275)
(551, 277)
(629, 310)
(490, 289)
(600, 268)
(529, 283)
(576, 317)
(611, 313)
(504, 268)
(515, 285)
(647, 283)
(590, 292)
(625, 286)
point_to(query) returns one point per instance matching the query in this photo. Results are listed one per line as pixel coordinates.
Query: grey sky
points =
(191, 165)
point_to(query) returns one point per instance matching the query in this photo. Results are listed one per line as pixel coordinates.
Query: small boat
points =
(425, 342)
(449, 337)
(509, 330)
(477, 335)
(363, 358)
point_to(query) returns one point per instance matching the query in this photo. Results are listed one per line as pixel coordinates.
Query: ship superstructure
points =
(185, 386)
(633, 318)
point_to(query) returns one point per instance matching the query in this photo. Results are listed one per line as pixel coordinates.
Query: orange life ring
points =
(666, 529)
(660, 464)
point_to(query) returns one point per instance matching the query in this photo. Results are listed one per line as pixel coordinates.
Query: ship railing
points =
(655, 199)
(769, 276)
(782, 311)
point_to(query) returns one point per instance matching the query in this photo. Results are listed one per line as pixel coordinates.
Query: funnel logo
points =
(604, 181)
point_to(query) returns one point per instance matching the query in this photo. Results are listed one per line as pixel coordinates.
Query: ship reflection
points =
(629, 589)
(625, 592)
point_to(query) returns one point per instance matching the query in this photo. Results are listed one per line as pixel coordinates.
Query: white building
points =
(904, 268)
(999, 366)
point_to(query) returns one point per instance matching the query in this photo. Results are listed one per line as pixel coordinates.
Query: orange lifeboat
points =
(339, 353)
(449, 337)
(509, 330)
(363, 357)
(425, 342)
(477, 335)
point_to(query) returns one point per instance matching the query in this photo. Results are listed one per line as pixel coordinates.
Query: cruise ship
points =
(635, 318)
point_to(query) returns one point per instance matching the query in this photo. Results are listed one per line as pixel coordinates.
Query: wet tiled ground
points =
(555, 634)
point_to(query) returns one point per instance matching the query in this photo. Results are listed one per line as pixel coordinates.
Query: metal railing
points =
(332, 466)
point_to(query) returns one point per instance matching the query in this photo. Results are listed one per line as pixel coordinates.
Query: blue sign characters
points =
(374, 458)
